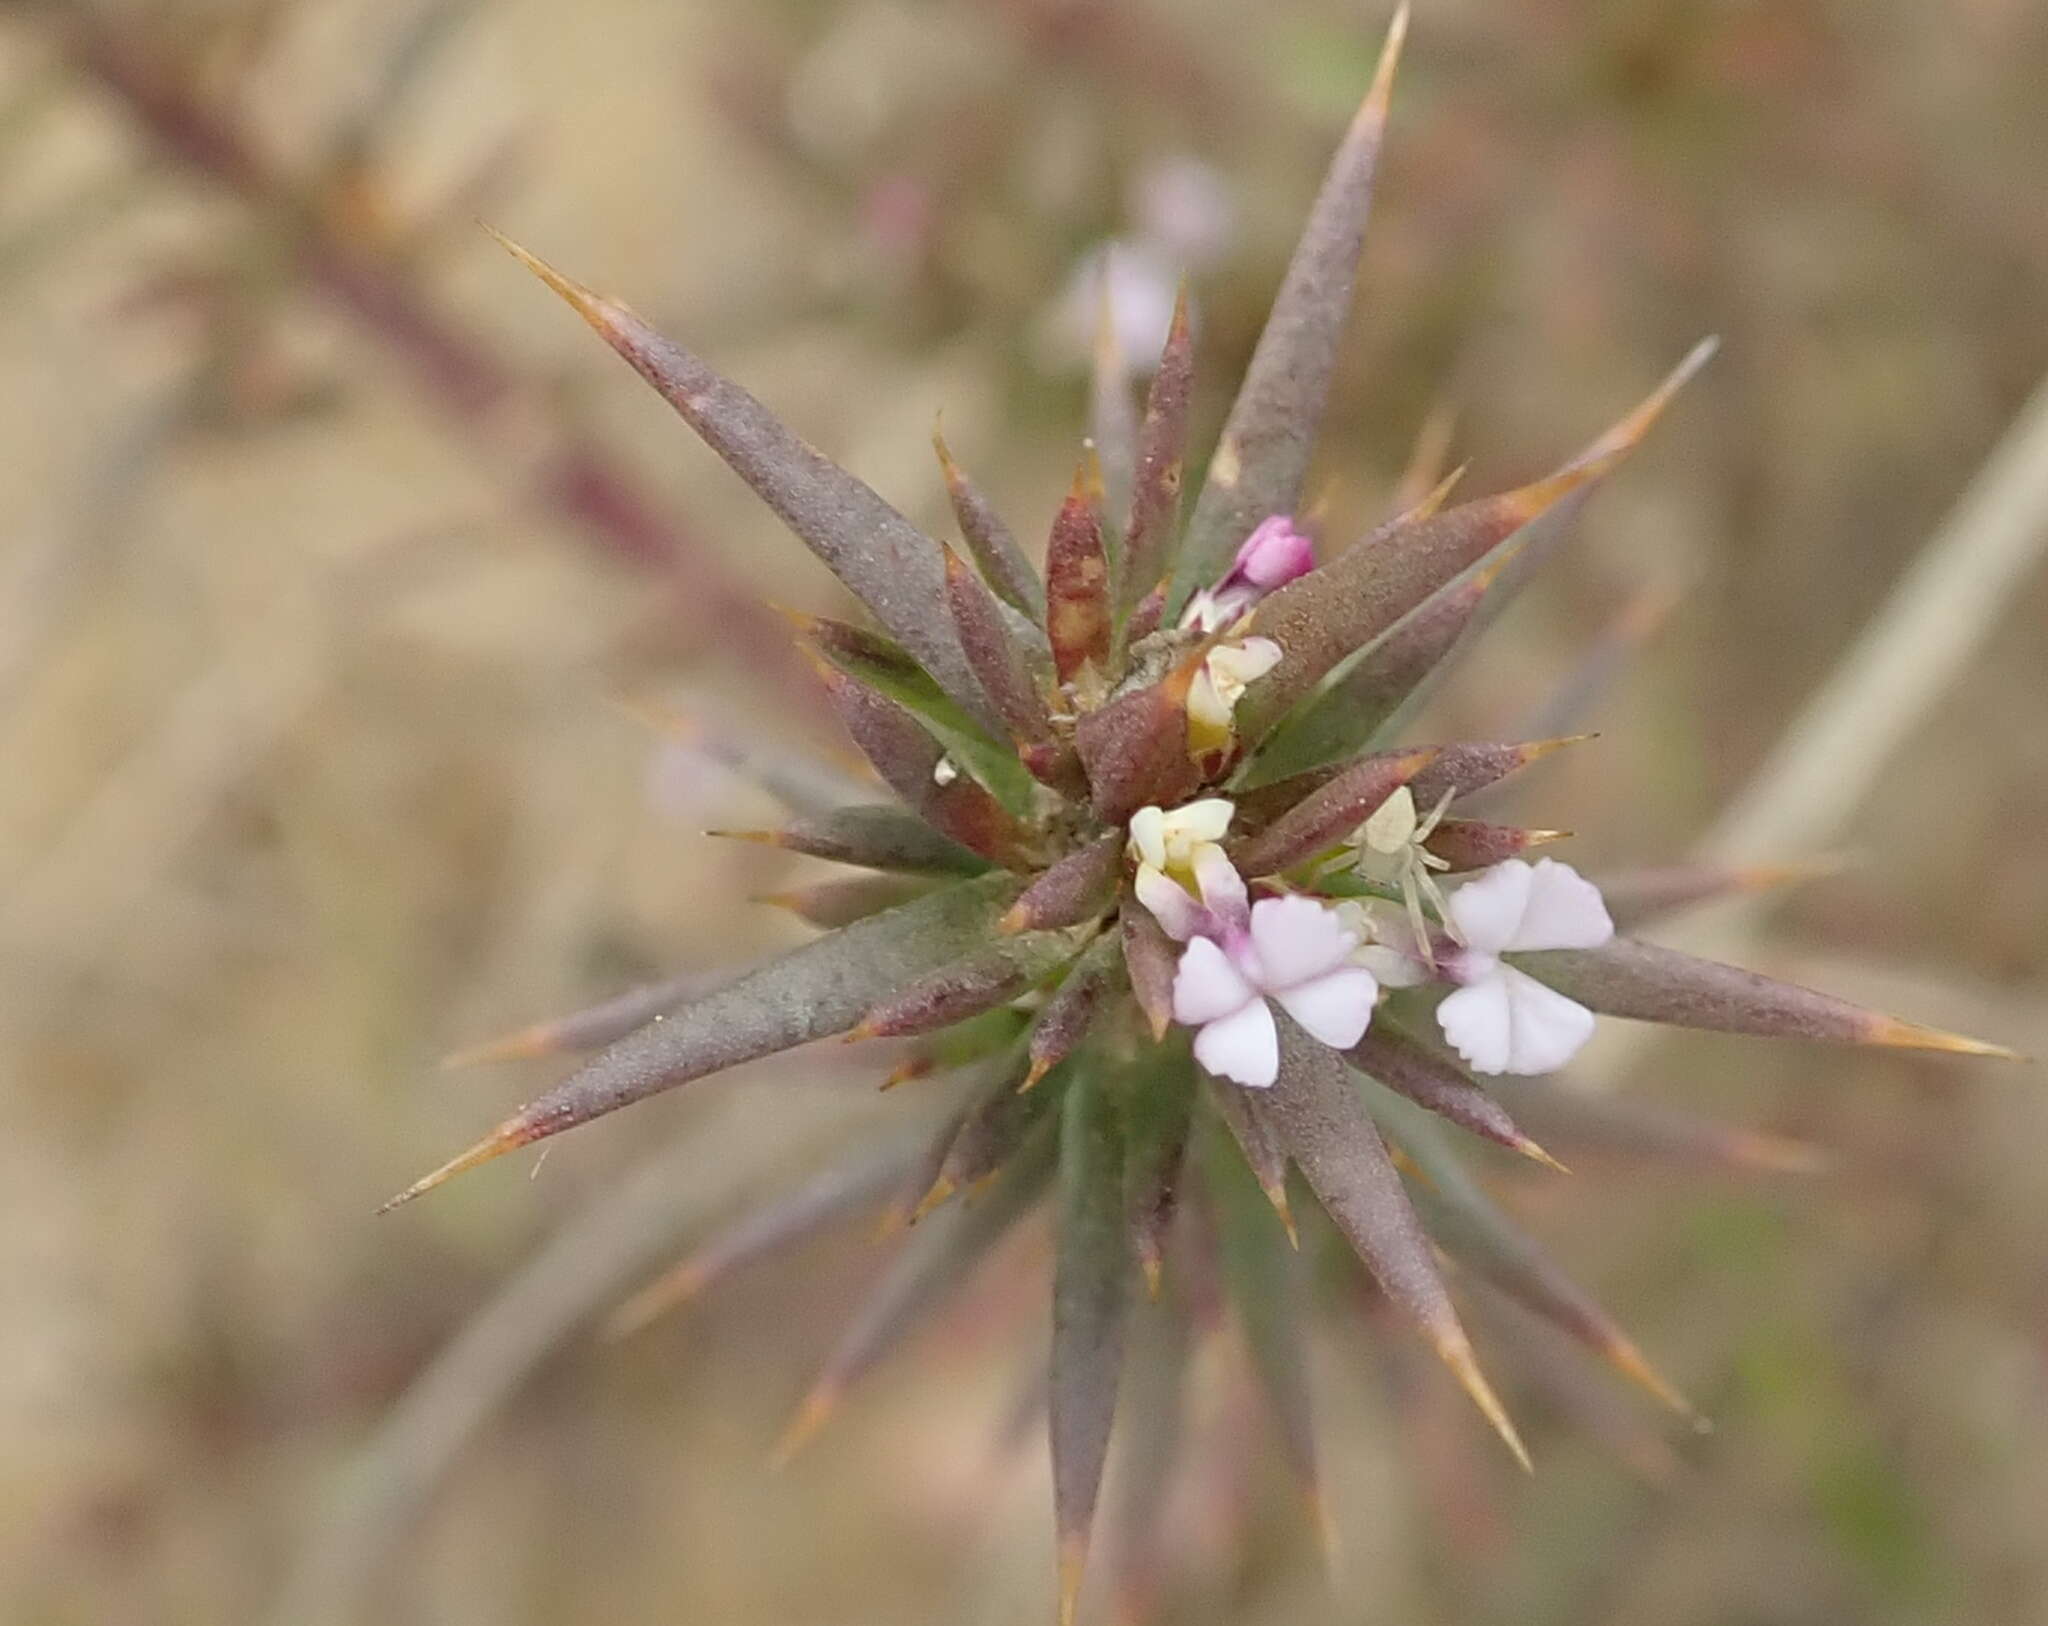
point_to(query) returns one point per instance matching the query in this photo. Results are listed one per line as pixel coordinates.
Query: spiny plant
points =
(1161, 889)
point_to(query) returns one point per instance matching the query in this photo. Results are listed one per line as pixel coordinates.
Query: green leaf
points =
(1090, 1309)
(892, 674)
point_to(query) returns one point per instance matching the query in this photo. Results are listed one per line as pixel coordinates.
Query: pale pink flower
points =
(1502, 1020)
(1292, 950)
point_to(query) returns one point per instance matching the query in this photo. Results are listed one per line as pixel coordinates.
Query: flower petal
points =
(1565, 910)
(1335, 1007)
(1206, 820)
(1296, 939)
(1478, 1024)
(1148, 836)
(1390, 967)
(1545, 1028)
(1205, 703)
(1488, 910)
(1221, 886)
(1243, 1046)
(1179, 916)
(1207, 986)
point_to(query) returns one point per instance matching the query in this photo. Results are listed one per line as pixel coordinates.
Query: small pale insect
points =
(1388, 848)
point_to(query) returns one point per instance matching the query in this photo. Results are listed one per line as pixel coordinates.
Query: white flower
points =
(1226, 673)
(1178, 858)
(1503, 1020)
(1293, 950)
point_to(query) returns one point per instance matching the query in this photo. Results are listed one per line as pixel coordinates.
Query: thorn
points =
(1040, 1066)
(760, 838)
(1015, 919)
(1543, 838)
(1152, 1267)
(904, 1071)
(1455, 1350)
(1536, 750)
(1374, 109)
(601, 313)
(1623, 438)
(868, 1028)
(941, 1189)
(1536, 1154)
(1073, 1567)
(524, 1045)
(1777, 1154)
(1890, 1030)
(1633, 1364)
(812, 1414)
(1276, 1194)
(507, 1137)
(668, 1291)
(1325, 1526)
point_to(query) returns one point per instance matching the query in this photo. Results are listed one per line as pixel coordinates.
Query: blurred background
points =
(329, 544)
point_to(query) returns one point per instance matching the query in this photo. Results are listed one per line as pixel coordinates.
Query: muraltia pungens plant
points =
(1164, 891)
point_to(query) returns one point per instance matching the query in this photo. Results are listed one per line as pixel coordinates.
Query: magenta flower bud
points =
(1273, 555)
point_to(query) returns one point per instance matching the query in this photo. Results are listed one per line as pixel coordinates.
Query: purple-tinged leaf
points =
(794, 780)
(1464, 768)
(1364, 698)
(1240, 1110)
(1639, 1131)
(812, 992)
(1324, 618)
(1316, 1114)
(1090, 1311)
(1328, 814)
(830, 904)
(1262, 457)
(593, 1027)
(999, 661)
(885, 561)
(1161, 463)
(1112, 413)
(987, 976)
(1145, 616)
(1439, 1085)
(912, 763)
(878, 665)
(1077, 617)
(1135, 749)
(1151, 958)
(1080, 887)
(936, 1257)
(872, 836)
(1630, 978)
(841, 1189)
(997, 556)
(1468, 844)
(1465, 1222)
(1635, 897)
(1071, 1010)
(973, 1141)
